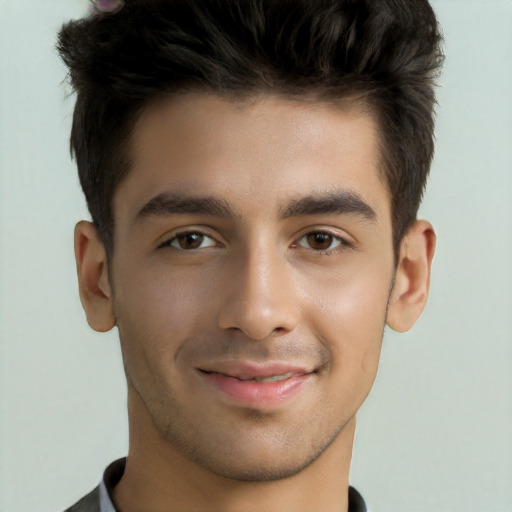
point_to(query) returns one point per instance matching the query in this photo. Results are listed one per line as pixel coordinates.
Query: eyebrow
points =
(339, 202)
(342, 202)
(166, 204)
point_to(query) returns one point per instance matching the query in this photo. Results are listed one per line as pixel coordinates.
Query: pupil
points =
(191, 240)
(320, 240)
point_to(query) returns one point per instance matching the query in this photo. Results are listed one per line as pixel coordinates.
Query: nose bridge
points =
(261, 300)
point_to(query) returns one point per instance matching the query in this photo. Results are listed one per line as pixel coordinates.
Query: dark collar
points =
(115, 471)
(355, 501)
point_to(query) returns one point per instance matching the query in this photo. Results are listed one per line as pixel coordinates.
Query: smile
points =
(271, 378)
(256, 387)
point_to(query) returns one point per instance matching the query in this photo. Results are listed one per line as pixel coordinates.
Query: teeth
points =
(274, 378)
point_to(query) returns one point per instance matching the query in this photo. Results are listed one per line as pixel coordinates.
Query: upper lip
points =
(255, 370)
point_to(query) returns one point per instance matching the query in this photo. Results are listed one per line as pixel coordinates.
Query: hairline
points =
(350, 102)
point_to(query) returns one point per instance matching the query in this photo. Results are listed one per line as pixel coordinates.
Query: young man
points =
(253, 170)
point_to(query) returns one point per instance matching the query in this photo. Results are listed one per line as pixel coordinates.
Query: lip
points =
(237, 382)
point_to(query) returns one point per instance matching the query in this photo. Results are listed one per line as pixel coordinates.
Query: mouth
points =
(254, 385)
(272, 378)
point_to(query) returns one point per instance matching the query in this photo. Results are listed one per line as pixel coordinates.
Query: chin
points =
(264, 471)
(265, 459)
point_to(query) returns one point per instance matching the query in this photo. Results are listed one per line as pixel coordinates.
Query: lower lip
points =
(255, 393)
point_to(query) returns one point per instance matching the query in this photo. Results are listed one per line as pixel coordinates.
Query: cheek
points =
(348, 315)
(156, 312)
(162, 297)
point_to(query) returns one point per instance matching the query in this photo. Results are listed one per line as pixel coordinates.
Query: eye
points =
(188, 241)
(321, 241)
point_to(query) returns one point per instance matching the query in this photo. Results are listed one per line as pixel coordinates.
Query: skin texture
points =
(262, 278)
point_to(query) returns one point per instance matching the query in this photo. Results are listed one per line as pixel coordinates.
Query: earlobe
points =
(412, 279)
(93, 281)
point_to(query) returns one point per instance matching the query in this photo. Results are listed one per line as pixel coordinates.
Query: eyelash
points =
(342, 242)
(169, 242)
(341, 245)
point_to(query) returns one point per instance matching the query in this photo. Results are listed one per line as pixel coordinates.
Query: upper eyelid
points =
(173, 233)
(343, 241)
(322, 232)
(169, 238)
(329, 231)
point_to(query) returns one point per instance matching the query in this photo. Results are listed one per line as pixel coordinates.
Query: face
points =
(251, 274)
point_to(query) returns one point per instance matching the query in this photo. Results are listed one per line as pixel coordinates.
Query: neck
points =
(159, 478)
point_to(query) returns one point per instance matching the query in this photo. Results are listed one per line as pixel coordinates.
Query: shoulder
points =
(89, 503)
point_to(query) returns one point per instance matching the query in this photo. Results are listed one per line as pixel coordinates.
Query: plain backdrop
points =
(436, 433)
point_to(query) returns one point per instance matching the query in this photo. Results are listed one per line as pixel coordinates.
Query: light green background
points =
(436, 433)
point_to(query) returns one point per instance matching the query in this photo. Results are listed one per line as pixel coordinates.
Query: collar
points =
(115, 471)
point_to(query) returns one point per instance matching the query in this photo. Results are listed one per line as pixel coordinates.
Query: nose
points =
(260, 296)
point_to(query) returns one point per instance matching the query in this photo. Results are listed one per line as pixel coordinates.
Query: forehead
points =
(258, 152)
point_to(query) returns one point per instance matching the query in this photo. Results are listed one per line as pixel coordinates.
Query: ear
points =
(412, 279)
(93, 282)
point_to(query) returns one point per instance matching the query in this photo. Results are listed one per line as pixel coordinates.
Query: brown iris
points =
(320, 241)
(190, 240)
